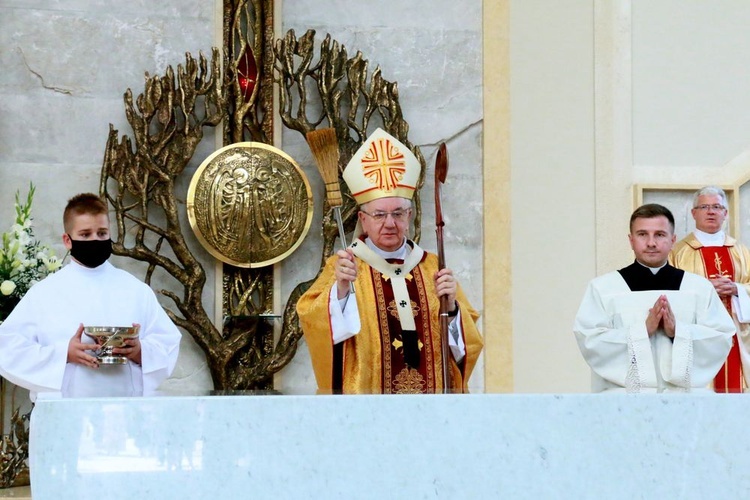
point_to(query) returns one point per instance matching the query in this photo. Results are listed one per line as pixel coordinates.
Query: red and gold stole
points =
(717, 262)
(397, 376)
(408, 355)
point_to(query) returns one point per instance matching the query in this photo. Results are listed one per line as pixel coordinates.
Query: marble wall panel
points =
(433, 49)
(66, 65)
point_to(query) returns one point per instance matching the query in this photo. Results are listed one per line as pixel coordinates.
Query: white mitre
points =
(382, 167)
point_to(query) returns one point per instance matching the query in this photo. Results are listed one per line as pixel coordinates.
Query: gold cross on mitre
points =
(382, 167)
(383, 164)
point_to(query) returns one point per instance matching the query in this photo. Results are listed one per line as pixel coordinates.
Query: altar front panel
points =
(422, 446)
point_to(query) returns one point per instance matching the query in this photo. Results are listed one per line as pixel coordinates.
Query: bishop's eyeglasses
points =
(399, 215)
(715, 207)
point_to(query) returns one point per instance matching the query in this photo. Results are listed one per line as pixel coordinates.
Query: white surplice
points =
(610, 328)
(34, 338)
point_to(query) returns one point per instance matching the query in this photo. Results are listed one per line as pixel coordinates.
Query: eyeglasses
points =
(399, 215)
(715, 207)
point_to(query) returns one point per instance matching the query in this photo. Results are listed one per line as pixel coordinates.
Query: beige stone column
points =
(498, 318)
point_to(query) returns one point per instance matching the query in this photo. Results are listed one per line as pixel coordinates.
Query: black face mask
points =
(91, 253)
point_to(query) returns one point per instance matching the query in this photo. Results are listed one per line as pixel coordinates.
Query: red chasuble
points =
(718, 263)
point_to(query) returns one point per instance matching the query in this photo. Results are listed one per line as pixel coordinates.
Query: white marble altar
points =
(454, 446)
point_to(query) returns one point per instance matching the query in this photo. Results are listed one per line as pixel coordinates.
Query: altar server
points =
(42, 345)
(650, 327)
(385, 337)
(712, 253)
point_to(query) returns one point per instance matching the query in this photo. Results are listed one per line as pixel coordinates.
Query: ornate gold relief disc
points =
(250, 204)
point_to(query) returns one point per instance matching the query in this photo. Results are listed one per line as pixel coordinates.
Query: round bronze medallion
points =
(250, 204)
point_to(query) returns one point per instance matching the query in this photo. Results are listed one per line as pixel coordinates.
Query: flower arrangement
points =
(23, 259)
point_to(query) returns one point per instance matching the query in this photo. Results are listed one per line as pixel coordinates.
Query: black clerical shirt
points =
(639, 278)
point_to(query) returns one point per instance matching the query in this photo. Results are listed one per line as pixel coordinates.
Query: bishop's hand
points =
(446, 285)
(345, 271)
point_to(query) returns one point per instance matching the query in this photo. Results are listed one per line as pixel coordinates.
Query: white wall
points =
(606, 94)
(691, 76)
(552, 180)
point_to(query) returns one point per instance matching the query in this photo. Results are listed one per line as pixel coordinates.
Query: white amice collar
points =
(653, 270)
(396, 274)
(90, 270)
(401, 253)
(710, 240)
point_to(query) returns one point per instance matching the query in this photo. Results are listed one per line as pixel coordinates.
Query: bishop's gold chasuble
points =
(373, 361)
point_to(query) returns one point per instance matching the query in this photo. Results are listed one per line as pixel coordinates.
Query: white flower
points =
(23, 239)
(53, 264)
(7, 287)
(24, 260)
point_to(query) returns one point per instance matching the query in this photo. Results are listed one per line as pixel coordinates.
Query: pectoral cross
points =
(408, 277)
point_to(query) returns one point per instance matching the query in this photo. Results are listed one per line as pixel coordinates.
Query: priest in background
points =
(650, 327)
(386, 336)
(712, 253)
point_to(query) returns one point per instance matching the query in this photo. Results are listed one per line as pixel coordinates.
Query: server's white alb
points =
(34, 338)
